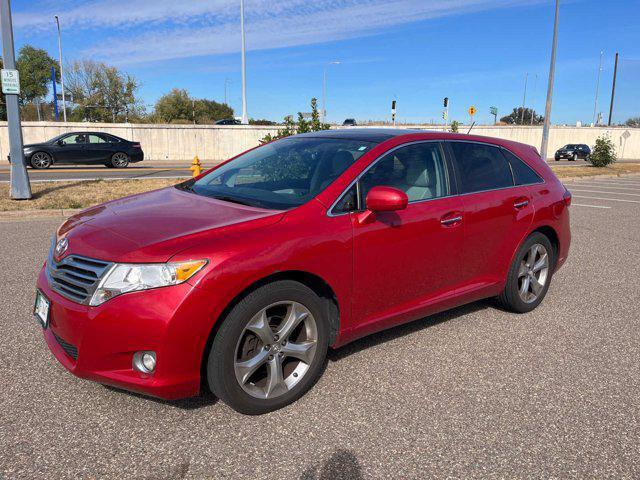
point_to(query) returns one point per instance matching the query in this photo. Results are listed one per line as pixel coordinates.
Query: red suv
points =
(240, 280)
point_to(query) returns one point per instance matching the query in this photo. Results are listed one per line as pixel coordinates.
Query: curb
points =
(590, 177)
(48, 213)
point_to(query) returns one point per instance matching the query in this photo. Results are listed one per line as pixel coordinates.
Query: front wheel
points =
(575, 157)
(119, 160)
(270, 349)
(40, 160)
(529, 275)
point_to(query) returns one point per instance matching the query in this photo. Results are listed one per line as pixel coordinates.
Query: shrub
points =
(604, 152)
(454, 126)
(301, 126)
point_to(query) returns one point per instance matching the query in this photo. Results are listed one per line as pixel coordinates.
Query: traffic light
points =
(446, 102)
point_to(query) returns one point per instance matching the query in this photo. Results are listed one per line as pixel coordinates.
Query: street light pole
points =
(324, 90)
(533, 103)
(20, 188)
(552, 70)
(524, 97)
(595, 104)
(613, 89)
(245, 119)
(64, 103)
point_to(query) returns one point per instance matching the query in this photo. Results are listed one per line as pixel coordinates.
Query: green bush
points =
(604, 152)
(301, 126)
(454, 126)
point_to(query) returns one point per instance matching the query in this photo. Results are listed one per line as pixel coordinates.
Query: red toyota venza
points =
(239, 280)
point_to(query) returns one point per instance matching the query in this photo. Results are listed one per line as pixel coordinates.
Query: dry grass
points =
(65, 195)
(570, 171)
(68, 195)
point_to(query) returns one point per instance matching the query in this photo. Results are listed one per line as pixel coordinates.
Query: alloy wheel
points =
(120, 160)
(40, 160)
(275, 350)
(533, 273)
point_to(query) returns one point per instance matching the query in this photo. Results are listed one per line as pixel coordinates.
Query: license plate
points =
(41, 309)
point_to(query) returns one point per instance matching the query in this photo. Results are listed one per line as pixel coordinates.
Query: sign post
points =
(20, 188)
(494, 112)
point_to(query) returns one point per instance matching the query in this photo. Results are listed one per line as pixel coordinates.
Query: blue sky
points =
(416, 51)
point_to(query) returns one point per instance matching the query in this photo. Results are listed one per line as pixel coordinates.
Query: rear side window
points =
(523, 174)
(481, 167)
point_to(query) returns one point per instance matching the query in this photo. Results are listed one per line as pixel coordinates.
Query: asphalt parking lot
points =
(471, 393)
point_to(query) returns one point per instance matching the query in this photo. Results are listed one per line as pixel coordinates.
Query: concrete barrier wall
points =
(212, 144)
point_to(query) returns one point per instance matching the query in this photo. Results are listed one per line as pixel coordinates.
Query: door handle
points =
(451, 220)
(521, 204)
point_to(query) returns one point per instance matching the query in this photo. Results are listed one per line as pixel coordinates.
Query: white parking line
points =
(608, 199)
(594, 185)
(590, 206)
(602, 191)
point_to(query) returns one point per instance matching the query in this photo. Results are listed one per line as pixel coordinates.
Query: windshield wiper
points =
(225, 198)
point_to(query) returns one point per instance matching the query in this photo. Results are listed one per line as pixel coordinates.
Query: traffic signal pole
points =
(552, 69)
(20, 188)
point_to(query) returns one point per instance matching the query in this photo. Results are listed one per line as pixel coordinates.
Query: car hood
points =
(154, 226)
(33, 145)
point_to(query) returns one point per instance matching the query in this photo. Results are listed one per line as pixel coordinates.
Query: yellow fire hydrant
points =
(196, 167)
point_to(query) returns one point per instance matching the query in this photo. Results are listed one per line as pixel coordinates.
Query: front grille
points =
(75, 277)
(69, 349)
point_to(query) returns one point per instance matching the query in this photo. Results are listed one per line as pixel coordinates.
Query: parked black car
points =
(574, 151)
(84, 148)
(228, 121)
(349, 122)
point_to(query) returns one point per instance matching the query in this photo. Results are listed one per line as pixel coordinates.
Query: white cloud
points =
(210, 27)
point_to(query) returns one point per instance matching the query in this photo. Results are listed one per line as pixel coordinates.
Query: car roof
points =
(91, 133)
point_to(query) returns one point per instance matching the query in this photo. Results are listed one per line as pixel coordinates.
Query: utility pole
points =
(226, 82)
(533, 103)
(595, 104)
(245, 119)
(64, 103)
(524, 97)
(324, 89)
(613, 89)
(20, 187)
(552, 70)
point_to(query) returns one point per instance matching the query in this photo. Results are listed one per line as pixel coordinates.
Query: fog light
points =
(144, 361)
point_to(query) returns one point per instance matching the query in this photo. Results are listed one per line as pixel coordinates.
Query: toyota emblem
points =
(61, 246)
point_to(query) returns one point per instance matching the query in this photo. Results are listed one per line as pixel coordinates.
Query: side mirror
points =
(386, 199)
(60, 143)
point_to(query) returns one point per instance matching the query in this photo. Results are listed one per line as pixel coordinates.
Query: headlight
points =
(131, 277)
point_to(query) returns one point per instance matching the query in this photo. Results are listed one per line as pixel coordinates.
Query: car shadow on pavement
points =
(205, 399)
(342, 465)
(406, 329)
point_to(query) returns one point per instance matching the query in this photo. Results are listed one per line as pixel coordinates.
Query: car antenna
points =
(470, 127)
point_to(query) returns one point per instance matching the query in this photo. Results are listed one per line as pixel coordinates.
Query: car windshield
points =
(569, 147)
(282, 174)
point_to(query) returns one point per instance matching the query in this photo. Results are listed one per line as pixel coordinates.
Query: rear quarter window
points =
(523, 174)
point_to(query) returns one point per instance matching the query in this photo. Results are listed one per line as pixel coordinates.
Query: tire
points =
(40, 160)
(240, 344)
(557, 159)
(512, 297)
(575, 157)
(108, 165)
(119, 160)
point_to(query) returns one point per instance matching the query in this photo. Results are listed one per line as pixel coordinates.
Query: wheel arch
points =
(316, 283)
(552, 235)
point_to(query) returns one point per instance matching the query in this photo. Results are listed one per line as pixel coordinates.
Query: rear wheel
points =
(40, 160)
(119, 160)
(529, 275)
(270, 348)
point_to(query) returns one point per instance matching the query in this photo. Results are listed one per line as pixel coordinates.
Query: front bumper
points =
(171, 321)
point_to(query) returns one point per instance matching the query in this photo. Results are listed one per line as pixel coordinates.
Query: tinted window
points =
(281, 174)
(112, 139)
(522, 173)
(481, 167)
(418, 170)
